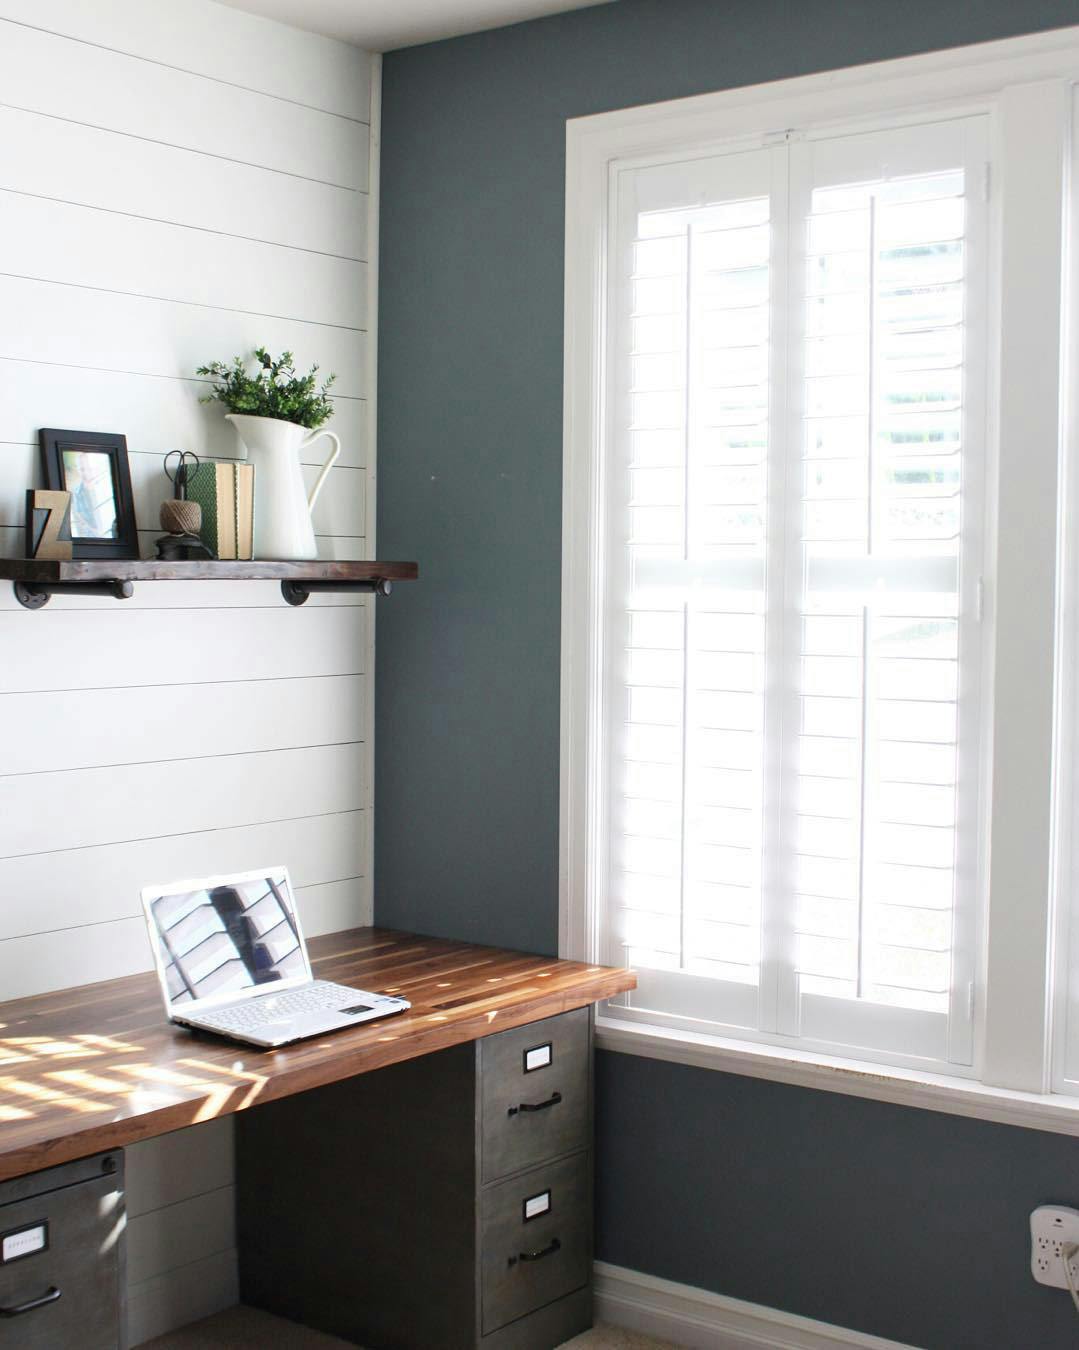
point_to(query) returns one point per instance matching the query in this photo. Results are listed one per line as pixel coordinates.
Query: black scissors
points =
(185, 461)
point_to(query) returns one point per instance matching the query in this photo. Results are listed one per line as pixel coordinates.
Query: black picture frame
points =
(102, 524)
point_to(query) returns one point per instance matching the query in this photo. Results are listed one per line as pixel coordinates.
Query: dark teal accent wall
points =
(906, 1223)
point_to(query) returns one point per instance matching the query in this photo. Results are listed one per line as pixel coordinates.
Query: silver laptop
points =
(231, 959)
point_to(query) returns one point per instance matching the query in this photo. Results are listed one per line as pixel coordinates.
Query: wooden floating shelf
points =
(36, 580)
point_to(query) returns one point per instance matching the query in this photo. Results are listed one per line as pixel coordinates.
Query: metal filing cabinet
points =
(62, 1257)
(440, 1204)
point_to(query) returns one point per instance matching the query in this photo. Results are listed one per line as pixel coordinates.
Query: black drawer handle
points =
(49, 1296)
(552, 1100)
(553, 1246)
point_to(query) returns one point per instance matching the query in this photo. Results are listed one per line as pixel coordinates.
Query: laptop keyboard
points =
(319, 996)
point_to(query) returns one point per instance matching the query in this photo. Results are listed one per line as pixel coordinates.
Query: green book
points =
(226, 493)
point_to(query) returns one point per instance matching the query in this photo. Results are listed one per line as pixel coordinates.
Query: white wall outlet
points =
(1052, 1227)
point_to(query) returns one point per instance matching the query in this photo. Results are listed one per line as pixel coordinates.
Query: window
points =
(796, 453)
(790, 388)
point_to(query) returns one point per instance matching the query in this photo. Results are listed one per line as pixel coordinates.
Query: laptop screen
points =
(225, 936)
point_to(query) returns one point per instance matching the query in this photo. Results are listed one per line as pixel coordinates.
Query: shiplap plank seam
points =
(120, 947)
(144, 335)
(319, 850)
(128, 918)
(179, 834)
(193, 150)
(172, 300)
(229, 757)
(63, 157)
(191, 70)
(158, 100)
(185, 684)
(171, 759)
(359, 673)
(197, 380)
(185, 224)
(114, 251)
(249, 52)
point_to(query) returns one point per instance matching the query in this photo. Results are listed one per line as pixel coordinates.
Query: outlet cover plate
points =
(1051, 1228)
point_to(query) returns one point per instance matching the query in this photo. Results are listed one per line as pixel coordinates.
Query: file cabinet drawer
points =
(536, 1240)
(535, 1093)
(61, 1246)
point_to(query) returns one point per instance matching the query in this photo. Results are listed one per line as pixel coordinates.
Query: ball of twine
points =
(179, 517)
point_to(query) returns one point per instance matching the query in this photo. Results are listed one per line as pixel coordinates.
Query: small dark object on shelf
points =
(48, 524)
(182, 548)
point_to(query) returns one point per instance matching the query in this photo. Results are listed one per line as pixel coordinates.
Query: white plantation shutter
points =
(793, 557)
(686, 581)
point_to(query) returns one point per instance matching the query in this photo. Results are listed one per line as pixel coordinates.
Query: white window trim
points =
(1024, 84)
(1067, 740)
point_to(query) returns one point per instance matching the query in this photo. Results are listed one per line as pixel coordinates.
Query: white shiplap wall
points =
(178, 182)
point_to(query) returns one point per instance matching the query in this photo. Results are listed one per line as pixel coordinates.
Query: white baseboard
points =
(700, 1320)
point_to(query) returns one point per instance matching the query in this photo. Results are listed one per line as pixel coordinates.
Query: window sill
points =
(904, 1087)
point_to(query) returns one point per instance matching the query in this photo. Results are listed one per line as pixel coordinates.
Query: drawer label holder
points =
(536, 1205)
(539, 1057)
(28, 1240)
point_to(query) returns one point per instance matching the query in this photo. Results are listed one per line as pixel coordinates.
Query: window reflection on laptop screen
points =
(226, 938)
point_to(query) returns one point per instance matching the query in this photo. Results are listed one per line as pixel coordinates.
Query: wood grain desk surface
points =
(98, 1066)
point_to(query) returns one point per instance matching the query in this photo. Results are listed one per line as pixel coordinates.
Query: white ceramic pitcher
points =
(283, 508)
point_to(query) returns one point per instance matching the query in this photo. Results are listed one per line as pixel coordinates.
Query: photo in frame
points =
(92, 466)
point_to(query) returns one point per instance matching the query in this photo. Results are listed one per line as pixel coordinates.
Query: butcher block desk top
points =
(99, 1066)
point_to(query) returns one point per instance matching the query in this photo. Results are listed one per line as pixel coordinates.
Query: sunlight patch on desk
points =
(154, 1073)
(215, 1104)
(90, 1082)
(220, 1094)
(237, 1070)
(37, 1092)
(43, 1047)
(108, 1043)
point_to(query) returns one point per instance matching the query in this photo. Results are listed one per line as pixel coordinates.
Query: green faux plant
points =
(275, 390)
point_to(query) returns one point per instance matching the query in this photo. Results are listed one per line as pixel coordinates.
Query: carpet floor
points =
(249, 1329)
